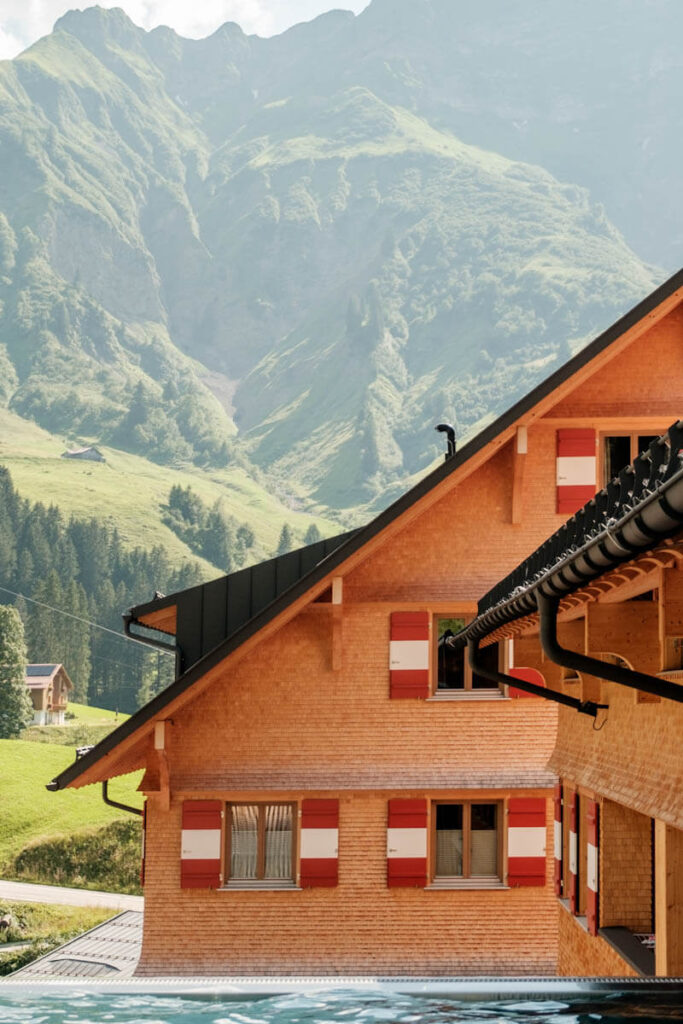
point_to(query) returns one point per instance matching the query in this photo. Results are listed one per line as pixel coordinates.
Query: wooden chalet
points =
(48, 687)
(330, 786)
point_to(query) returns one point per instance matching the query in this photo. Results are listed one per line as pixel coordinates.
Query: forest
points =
(71, 581)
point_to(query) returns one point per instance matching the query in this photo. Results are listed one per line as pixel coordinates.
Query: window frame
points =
(467, 878)
(260, 880)
(633, 436)
(467, 689)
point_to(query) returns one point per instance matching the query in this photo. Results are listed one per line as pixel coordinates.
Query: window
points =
(260, 843)
(466, 840)
(620, 450)
(453, 670)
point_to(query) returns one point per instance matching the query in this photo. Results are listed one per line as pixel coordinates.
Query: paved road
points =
(28, 893)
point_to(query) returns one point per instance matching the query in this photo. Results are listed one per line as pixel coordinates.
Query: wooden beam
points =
(668, 900)
(337, 623)
(518, 466)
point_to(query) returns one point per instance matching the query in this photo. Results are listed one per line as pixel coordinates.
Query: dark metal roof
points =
(361, 537)
(40, 670)
(635, 512)
(211, 612)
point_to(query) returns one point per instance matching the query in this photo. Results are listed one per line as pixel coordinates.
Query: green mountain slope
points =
(236, 253)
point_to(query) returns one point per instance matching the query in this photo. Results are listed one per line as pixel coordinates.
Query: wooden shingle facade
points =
(326, 792)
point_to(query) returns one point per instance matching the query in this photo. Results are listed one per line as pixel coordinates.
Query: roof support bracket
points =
(548, 608)
(584, 707)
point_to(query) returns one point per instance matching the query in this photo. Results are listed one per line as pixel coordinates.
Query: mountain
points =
(295, 255)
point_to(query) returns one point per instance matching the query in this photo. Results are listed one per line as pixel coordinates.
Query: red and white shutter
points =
(526, 841)
(576, 469)
(409, 654)
(142, 843)
(592, 865)
(573, 853)
(557, 838)
(200, 857)
(528, 675)
(319, 848)
(407, 844)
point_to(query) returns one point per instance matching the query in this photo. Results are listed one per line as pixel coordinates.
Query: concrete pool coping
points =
(239, 988)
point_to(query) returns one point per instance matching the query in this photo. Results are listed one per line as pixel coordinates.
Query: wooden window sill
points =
(447, 695)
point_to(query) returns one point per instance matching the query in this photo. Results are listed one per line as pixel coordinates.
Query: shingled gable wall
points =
(282, 724)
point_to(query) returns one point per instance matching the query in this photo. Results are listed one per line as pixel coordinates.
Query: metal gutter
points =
(163, 645)
(584, 707)
(115, 803)
(548, 607)
(638, 510)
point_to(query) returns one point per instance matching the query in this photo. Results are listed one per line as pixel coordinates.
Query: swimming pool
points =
(173, 1002)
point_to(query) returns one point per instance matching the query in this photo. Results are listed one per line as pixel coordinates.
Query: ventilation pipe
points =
(448, 430)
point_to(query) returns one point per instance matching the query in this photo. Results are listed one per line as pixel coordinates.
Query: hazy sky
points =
(24, 21)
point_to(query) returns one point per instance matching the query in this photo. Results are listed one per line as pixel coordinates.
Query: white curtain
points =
(484, 852)
(449, 852)
(278, 841)
(244, 841)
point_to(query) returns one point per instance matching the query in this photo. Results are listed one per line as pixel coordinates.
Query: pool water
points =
(79, 1006)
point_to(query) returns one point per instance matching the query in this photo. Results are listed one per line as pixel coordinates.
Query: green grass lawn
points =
(94, 716)
(128, 491)
(30, 813)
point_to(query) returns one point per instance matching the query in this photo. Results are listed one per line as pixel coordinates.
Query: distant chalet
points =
(91, 453)
(49, 687)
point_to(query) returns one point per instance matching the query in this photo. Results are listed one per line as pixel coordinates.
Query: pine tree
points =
(46, 626)
(286, 542)
(76, 641)
(313, 535)
(16, 710)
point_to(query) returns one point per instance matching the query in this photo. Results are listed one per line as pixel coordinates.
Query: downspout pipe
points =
(584, 707)
(548, 608)
(115, 803)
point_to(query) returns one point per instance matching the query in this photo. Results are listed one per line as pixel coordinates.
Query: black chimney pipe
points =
(450, 434)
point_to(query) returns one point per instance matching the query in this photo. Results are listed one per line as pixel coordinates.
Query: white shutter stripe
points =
(406, 842)
(572, 853)
(408, 654)
(200, 844)
(526, 842)
(557, 836)
(573, 470)
(592, 867)
(319, 843)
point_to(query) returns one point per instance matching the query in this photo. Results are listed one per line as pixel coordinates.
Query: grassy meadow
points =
(128, 491)
(31, 814)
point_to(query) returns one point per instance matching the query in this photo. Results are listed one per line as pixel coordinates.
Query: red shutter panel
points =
(319, 844)
(592, 865)
(573, 853)
(576, 469)
(142, 843)
(529, 675)
(526, 841)
(409, 654)
(200, 856)
(407, 844)
(557, 837)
